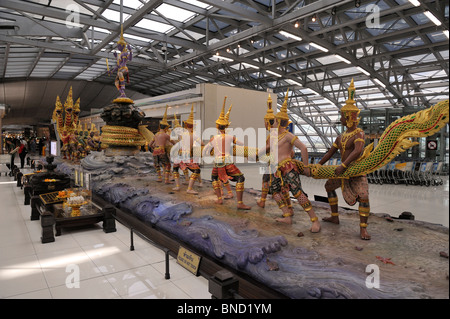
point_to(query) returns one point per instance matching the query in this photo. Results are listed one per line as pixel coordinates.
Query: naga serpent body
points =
(393, 141)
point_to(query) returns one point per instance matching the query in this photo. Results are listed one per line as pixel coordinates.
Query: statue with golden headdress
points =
(122, 59)
(224, 169)
(160, 153)
(287, 171)
(351, 147)
(67, 121)
(186, 161)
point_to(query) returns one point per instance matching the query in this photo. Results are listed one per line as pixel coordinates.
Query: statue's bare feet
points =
(168, 182)
(315, 228)
(191, 191)
(261, 203)
(331, 219)
(200, 185)
(243, 206)
(284, 220)
(364, 234)
(159, 180)
(177, 188)
(219, 201)
(228, 196)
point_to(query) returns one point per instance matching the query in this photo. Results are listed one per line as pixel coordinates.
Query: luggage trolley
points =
(406, 172)
(390, 172)
(436, 172)
(5, 160)
(425, 173)
(380, 175)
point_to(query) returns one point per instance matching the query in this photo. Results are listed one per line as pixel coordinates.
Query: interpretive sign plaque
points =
(188, 260)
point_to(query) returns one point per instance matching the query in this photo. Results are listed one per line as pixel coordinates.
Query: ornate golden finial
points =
(269, 114)
(77, 106)
(69, 100)
(122, 40)
(221, 120)
(350, 110)
(164, 120)
(175, 121)
(58, 104)
(227, 116)
(282, 114)
(190, 119)
(350, 104)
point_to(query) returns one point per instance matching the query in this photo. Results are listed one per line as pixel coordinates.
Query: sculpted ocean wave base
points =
(296, 271)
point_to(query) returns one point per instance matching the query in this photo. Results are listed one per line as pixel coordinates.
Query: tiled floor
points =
(105, 266)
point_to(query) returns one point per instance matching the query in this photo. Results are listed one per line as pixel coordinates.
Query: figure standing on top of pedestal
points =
(122, 59)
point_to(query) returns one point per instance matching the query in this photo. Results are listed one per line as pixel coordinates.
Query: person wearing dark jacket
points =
(13, 154)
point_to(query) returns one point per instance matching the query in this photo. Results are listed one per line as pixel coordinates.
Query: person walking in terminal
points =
(287, 173)
(351, 146)
(224, 169)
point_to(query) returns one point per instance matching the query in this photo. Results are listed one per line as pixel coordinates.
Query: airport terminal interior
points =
(95, 203)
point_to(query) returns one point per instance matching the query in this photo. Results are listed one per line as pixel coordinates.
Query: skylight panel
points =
(197, 3)
(135, 37)
(114, 15)
(154, 26)
(175, 13)
(195, 35)
(134, 4)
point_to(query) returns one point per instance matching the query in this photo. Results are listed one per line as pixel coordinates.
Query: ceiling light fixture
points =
(313, 19)
(318, 46)
(433, 18)
(415, 2)
(380, 83)
(290, 35)
(250, 65)
(296, 24)
(362, 70)
(357, 3)
(273, 73)
(293, 82)
(333, 11)
(342, 59)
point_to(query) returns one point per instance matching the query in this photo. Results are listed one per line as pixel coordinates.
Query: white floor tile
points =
(94, 288)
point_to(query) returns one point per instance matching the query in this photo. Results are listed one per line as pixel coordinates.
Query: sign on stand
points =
(188, 260)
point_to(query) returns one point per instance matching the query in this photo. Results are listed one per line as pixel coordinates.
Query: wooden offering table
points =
(53, 213)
